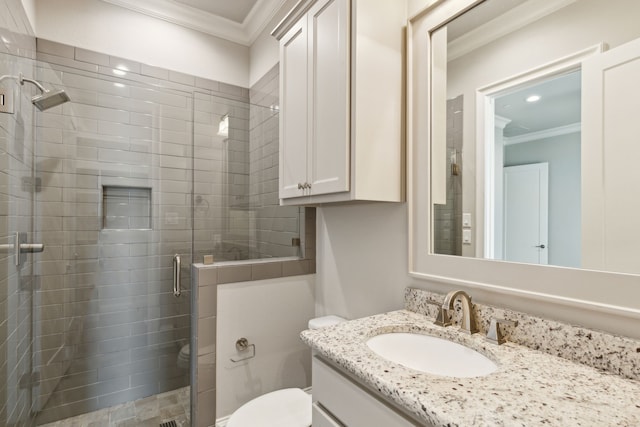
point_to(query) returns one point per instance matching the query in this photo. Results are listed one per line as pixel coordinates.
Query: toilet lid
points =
(290, 407)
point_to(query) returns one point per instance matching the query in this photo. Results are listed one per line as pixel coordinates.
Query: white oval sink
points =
(431, 354)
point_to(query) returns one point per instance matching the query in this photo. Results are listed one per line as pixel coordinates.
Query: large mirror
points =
(511, 164)
(524, 127)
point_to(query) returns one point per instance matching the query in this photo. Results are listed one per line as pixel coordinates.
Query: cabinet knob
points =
(307, 185)
(300, 186)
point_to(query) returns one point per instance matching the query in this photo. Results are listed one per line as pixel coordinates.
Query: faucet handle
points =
(494, 335)
(442, 318)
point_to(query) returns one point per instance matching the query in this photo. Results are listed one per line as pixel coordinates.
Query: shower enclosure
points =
(447, 224)
(117, 185)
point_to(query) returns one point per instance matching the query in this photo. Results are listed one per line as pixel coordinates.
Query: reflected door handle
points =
(540, 246)
(176, 275)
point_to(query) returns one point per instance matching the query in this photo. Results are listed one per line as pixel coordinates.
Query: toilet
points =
(289, 407)
(184, 357)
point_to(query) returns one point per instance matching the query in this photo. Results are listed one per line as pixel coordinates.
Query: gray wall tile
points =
(53, 48)
(234, 273)
(91, 57)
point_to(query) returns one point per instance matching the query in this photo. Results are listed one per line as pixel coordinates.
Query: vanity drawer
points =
(351, 404)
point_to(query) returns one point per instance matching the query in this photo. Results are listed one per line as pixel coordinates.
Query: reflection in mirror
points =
(532, 133)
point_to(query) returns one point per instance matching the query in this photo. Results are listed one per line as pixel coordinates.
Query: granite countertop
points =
(530, 388)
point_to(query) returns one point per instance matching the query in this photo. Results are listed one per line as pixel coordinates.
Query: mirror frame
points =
(599, 299)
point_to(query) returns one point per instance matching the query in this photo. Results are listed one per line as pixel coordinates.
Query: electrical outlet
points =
(466, 237)
(466, 220)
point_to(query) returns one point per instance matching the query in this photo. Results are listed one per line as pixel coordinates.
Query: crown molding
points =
(502, 25)
(205, 22)
(501, 122)
(547, 133)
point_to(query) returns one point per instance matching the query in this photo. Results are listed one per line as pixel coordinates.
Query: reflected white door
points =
(526, 212)
(610, 153)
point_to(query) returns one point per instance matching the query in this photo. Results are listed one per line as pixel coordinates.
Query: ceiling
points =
(236, 10)
(239, 21)
(558, 107)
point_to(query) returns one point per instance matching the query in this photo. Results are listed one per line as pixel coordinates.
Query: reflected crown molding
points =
(547, 133)
(506, 23)
(199, 20)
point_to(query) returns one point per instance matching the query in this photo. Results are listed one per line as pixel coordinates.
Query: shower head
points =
(48, 98)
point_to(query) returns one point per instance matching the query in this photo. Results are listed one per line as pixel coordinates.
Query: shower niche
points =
(125, 208)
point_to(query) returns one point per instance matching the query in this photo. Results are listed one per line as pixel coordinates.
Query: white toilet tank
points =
(321, 322)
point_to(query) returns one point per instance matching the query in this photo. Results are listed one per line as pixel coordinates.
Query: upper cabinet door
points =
(294, 110)
(341, 137)
(329, 60)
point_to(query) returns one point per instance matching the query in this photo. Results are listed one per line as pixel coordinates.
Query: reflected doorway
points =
(536, 123)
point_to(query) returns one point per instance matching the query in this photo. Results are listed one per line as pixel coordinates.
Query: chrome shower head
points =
(49, 99)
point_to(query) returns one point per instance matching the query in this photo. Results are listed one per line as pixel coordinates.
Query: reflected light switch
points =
(466, 220)
(466, 237)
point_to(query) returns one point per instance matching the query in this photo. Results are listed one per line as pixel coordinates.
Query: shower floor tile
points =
(150, 411)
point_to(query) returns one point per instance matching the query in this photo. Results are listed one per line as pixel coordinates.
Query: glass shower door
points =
(17, 376)
(112, 191)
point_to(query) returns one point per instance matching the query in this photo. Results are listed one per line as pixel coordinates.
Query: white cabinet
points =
(341, 102)
(340, 401)
(314, 109)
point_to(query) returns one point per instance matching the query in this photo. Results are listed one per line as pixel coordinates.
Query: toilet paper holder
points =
(242, 345)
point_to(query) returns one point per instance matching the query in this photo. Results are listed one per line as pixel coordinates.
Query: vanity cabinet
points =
(341, 402)
(341, 103)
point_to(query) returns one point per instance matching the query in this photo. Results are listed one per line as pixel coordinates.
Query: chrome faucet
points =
(468, 321)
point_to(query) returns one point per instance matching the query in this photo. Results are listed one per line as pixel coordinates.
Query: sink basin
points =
(432, 355)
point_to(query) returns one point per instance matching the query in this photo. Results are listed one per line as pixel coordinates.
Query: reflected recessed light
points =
(533, 98)
(118, 85)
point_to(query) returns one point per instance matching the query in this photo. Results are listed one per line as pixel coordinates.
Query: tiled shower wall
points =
(17, 53)
(275, 226)
(113, 329)
(448, 218)
(237, 212)
(221, 174)
(108, 328)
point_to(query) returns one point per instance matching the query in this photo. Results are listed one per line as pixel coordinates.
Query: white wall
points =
(105, 28)
(30, 10)
(265, 51)
(264, 54)
(270, 314)
(361, 259)
(415, 6)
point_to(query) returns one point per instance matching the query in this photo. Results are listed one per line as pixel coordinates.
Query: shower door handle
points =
(20, 248)
(31, 247)
(176, 275)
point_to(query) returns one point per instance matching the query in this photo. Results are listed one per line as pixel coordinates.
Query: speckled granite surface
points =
(612, 353)
(530, 388)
